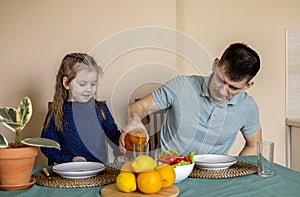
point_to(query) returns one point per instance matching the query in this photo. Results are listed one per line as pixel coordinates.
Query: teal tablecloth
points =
(285, 182)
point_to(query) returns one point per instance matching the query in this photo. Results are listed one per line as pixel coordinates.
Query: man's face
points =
(83, 87)
(221, 88)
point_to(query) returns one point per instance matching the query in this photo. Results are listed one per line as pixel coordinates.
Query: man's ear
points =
(248, 85)
(215, 64)
(65, 82)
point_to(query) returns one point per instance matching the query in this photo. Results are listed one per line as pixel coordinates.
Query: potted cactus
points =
(17, 158)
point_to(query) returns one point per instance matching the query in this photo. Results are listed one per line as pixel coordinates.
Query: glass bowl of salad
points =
(183, 165)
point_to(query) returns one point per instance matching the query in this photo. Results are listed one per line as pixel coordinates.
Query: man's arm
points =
(250, 145)
(136, 112)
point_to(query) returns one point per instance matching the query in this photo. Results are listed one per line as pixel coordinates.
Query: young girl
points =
(80, 124)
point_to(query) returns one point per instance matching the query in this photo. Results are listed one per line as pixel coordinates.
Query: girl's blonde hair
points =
(68, 68)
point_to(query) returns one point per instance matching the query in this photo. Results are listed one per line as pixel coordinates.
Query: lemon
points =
(142, 163)
(126, 182)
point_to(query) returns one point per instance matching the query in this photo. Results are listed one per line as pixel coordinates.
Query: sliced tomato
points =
(176, 161)
(187, 159)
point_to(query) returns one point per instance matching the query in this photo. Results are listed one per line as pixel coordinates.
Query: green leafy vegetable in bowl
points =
(173, 158)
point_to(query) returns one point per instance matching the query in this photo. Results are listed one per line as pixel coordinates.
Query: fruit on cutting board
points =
(126, 182)
(142, 163)
(126, 167)
(149, 182)
(149, 178)
(167, 174)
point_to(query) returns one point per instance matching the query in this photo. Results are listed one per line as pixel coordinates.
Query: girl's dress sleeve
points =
(51, 153)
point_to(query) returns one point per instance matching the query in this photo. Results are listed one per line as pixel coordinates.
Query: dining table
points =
(284, 182)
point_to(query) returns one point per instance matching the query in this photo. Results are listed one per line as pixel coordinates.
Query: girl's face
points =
(83, 87)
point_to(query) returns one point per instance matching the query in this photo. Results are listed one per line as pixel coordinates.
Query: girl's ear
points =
(215, 64)
(65, 82)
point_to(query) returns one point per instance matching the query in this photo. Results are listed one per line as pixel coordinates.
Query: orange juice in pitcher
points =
(136, 136)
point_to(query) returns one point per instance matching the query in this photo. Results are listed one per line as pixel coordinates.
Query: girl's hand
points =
(121, 159)
(78, 159)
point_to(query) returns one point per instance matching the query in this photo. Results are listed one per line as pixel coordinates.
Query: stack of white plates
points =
(78, 169)
(214, 161)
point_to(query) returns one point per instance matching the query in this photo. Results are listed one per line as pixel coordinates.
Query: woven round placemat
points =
(107, 176)
(238, 169)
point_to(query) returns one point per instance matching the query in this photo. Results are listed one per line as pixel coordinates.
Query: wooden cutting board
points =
(112, 191)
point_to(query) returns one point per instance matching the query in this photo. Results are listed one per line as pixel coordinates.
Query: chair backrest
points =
(153, 123)
(156, 120)
(50, 162)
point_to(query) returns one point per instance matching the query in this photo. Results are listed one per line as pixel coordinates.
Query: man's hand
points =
(136, 112)
(130, 127)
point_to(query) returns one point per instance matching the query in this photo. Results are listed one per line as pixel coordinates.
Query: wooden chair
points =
(50, 161)
(156, 120)
(153, 123)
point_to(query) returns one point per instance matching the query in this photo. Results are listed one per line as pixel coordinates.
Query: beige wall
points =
(35, 35)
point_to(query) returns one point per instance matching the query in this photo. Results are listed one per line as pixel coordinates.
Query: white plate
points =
(214, 161)
(78, 169)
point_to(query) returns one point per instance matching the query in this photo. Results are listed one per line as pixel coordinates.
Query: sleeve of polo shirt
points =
(164, 96)
(252, 123)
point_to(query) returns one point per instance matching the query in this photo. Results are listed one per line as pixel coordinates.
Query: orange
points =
(149, 182)
(136, 136)
(167, 174)
(126, 167)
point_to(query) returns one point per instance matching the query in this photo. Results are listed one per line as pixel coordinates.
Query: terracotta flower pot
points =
(16, 165)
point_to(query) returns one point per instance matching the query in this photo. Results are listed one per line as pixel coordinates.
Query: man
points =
(204, 114)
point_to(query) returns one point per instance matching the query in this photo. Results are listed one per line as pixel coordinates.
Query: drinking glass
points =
(140, 149)
(265, 155)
